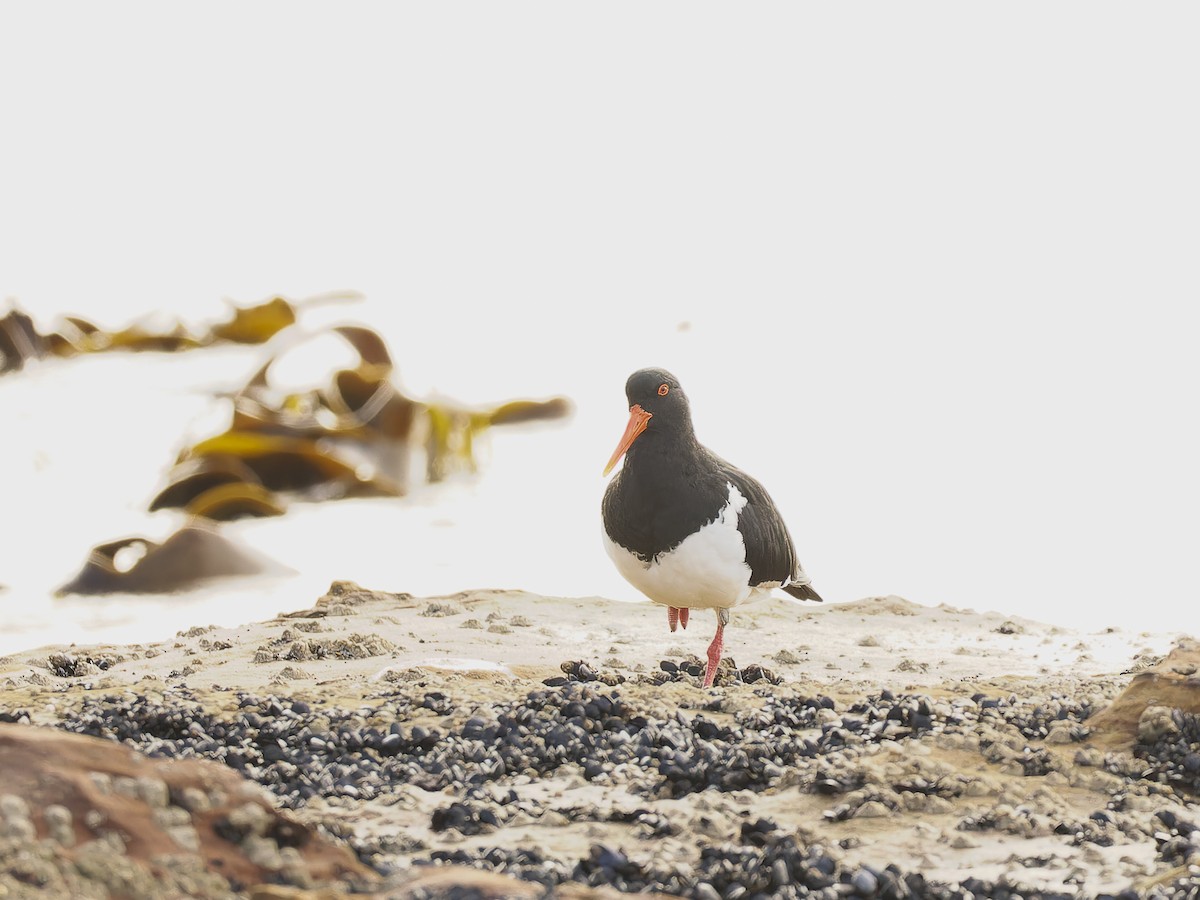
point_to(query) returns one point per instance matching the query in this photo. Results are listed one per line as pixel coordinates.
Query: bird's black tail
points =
(803, 592)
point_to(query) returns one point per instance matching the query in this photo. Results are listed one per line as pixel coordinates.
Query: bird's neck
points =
(665, 456)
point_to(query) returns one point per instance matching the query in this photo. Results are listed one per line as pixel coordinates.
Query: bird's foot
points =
(714, 654)
(683, 617)
(672, 617)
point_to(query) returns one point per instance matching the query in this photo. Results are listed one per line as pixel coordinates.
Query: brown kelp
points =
(354, 436)
(21, 341)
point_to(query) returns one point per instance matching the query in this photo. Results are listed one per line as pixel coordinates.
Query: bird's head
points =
(657, 405)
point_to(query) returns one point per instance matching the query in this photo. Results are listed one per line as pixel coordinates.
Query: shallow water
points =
(891, 480)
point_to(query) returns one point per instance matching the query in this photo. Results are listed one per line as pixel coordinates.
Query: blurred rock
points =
(116, 841)
(196, 553)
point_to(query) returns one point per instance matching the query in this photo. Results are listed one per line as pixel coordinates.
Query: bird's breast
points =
(706, 569)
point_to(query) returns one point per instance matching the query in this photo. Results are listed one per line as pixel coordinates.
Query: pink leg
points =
(683, 617)
(672, 617)
(714, 653)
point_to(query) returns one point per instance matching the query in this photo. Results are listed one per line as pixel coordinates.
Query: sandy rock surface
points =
(874, 748)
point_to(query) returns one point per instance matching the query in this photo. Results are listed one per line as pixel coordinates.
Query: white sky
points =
(940, 260)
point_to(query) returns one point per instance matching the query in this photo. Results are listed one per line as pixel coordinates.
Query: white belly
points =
(707, 570)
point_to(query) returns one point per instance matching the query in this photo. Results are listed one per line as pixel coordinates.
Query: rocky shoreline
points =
(498, 743)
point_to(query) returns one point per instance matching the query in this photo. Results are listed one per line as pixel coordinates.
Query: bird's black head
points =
(658, 407)
(658, 392)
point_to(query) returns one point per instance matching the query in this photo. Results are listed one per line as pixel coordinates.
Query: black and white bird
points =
(686, 528)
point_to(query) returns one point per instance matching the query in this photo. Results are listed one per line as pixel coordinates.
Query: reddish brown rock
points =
(102, 817)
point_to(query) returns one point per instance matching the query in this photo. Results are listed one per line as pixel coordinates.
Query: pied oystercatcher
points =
(686, 528)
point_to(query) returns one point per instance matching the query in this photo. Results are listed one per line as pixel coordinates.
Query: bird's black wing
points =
(770, 552)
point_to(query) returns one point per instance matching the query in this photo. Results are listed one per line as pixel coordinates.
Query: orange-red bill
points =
(638, 418)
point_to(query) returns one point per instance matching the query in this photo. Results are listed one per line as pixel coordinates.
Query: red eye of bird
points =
(662, 390)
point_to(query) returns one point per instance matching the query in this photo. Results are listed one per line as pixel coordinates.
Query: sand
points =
(354, 648)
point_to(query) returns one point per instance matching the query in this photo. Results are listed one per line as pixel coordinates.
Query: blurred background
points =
(928, 272)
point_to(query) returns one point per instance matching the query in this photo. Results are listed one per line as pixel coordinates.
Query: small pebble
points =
(59, 824)
(13, 807)
(865, 883)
